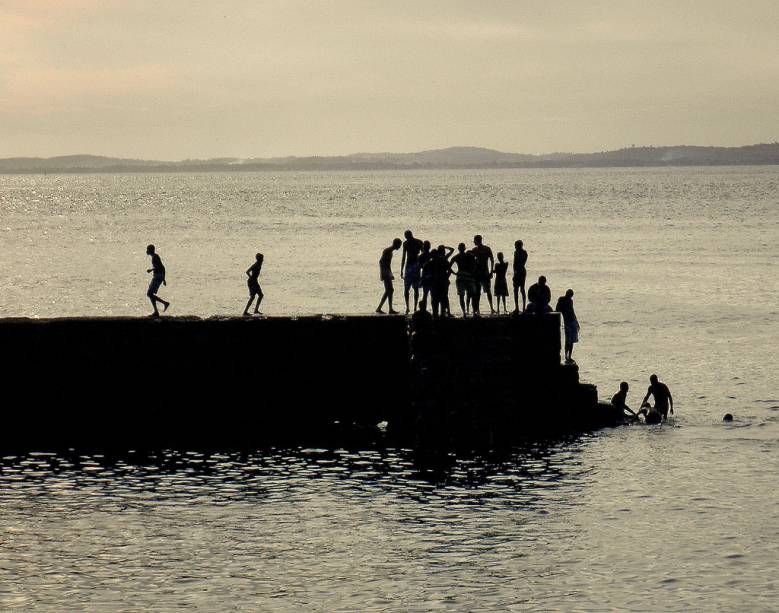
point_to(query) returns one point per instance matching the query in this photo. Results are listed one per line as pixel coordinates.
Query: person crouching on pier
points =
(157, 279)
(501, 286)
(385, 274)
(539, 296)
(253, 272)
(570, 323)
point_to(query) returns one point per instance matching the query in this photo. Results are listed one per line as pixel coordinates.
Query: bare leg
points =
(405, 295)
(416, 299)
(259, 299)
(153, 300)
(524, 299)
(381, 304)
(389, 302)
(462, 305)
(489, 299)
(248, 305)
(516, 300)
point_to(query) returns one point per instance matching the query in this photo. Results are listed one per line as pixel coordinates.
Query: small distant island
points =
(452, 157)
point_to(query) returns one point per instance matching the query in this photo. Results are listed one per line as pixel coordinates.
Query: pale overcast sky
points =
(171, 79)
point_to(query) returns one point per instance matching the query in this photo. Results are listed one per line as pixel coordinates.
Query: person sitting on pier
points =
(158, 278)
(385, 274)
(570, 323)
(485, 265)
(253, 272)
(520, 274)
(464, 279)
(539, 296)
(619, 400)
(501, 287)
(409, 267)
(662, 396)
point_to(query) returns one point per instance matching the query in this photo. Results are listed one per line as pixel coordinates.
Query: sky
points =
(254, 78)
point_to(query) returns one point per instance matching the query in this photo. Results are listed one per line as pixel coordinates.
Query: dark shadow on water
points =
(281, 475)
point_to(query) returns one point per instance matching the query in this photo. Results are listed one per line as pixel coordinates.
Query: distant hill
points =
(452, 157)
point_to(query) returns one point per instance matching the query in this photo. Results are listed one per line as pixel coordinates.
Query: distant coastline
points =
(450, 158)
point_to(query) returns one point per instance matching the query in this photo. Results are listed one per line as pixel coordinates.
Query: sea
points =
(674, 272)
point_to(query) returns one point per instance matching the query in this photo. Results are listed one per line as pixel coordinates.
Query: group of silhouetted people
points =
(158, 279)
(658, 390)
(429, 269)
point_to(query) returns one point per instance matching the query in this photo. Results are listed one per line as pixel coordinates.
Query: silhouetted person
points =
(409, 267)
(570, 323)
(465, 281)
(728, 417)
(253, 272)
(662, 396)
(619, 400)
(485, 264)
(385, 273)
(424, 256)
(539, 296)
(501, 287)
(436, 269)
(520, 274)
(445, 252)
(158, 278)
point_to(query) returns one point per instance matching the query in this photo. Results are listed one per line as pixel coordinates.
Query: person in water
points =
(157, 279)
(385, 274)
(570, 323)
(485, 265)
(464, 280)
(501, 287)
(619, 401)
(519, 276)
(539, 296)
(662, 396)
(253, 272)
(409, 267)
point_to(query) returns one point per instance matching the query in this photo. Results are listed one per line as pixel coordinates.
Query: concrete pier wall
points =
(228, 382)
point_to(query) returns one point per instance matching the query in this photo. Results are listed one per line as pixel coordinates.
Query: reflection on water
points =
(548, 527)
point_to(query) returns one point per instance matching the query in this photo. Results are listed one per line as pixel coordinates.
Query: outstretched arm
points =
(648, 394)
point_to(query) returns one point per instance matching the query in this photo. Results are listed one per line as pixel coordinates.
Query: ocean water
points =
(675, 272)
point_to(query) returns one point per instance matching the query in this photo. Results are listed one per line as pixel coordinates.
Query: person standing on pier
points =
(385, 274)
(662, 395)
(253, 272)
(570, 323)
(501, 287)
(409, 268)
(157, 279)
(425, 280)
(539, 296)
(520, 274)
(485, 266)
(465, 281)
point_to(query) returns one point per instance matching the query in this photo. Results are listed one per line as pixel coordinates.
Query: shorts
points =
(254, 288)
(483, 282)
(501, 289)
(465, 285)
(519, 278)
(411, 276)
(154, 286)
(571, 332)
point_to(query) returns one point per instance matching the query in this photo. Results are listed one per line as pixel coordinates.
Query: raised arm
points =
(449, 251)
